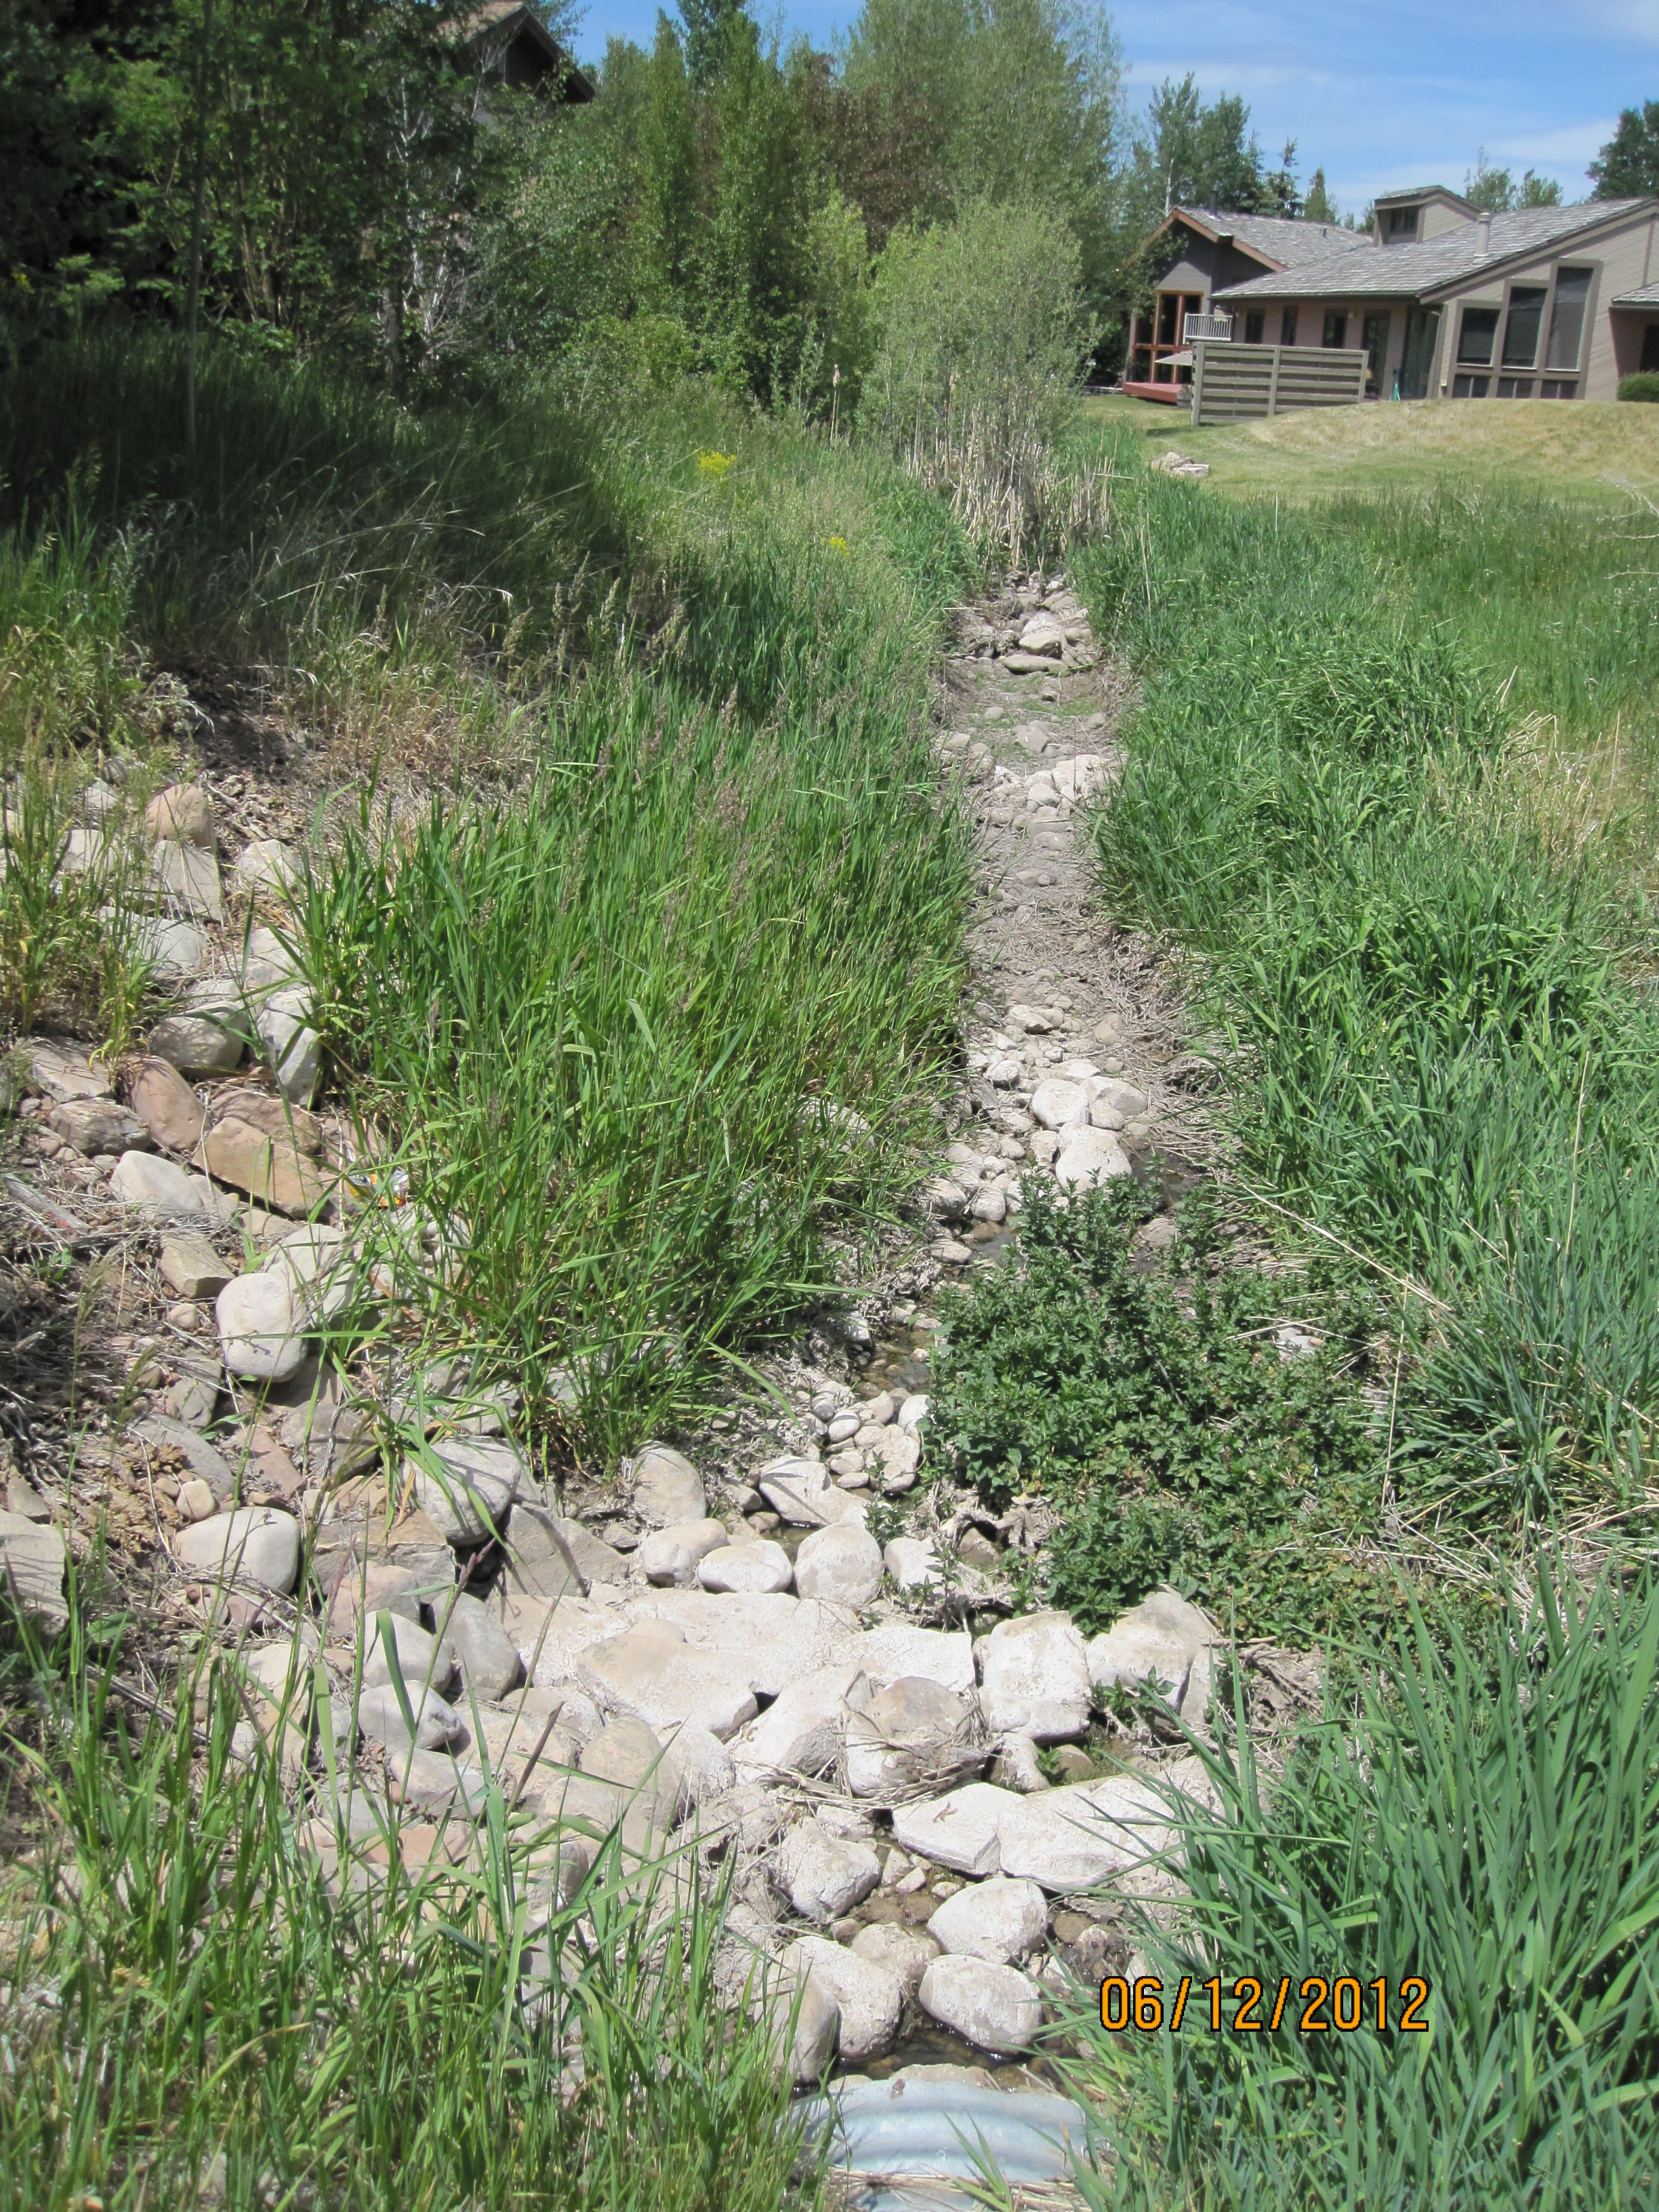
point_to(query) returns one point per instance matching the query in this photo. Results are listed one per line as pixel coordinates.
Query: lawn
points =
(1593, 453)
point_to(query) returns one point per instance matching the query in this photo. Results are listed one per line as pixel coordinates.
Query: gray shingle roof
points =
(1419, 271)
(1647, 297)
(1275, 238)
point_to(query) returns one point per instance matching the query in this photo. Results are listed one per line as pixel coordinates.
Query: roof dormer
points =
(1407, 218)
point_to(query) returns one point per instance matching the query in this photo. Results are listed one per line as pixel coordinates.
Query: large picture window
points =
(1567, 317)
(1523, 325)
(1478, 336)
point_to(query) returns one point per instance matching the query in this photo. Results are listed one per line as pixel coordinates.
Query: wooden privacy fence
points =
(1242, 383)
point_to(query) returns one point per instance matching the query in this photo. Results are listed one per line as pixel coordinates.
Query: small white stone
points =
(911, 1562)
(1000, 1919)
(760, 1565)
(842, 1564)
(155, 1187)
(1036, 1678)
(995, 2008)
(823, 1876)
(869, 1993)
(254, 1544)
(258, 1327)
(1057, 1104)
(1088, 1158)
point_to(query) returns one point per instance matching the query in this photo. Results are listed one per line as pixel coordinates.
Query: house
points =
(1446, 301)
(512, 46)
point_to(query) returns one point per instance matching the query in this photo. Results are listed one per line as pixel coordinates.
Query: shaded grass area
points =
(199, 2010)
(1485, 1822)
(664, 964)
(1439, 1043)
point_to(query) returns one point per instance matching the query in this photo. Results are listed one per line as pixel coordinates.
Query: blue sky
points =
(1399, 93)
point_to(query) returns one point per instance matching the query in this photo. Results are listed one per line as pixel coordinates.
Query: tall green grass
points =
(1487, 1819)
(1438, 1048)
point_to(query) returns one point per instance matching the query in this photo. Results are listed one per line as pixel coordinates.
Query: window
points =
(1336, 330)
(1559, 388)
(1168, 302)
(1254, 326)
(1402, 222)
(1475, 339)
(1524, 321)
(1471, 387)
(1567, 317)
(1287, 327)
(1514, 387)
(1650, 350)
(1377, 352)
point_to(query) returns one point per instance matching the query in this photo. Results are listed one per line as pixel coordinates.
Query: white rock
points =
(672, 1555)
(1057, 1104)
(315, 1262)
(906, 1953)
(1036, 1678)
(1005, 1072)
(990, 1204)
(993, 2007)
(60, 1073)
(913, 1412)
(292, 1048)
(842, 1426)
(1077, 1837)
(267, 865)
(1075, 778)
(189, 878)
(156, 1187)
(870, 1995)
(1000, 1919)
(802, 1730)
(898, 1647)
(1164, 1641)
(437, 1726)
(841, 1565)
(911, 1562)
(799, 1491)
(804, 2030)
(823, 1876)
(1044, 633)
(909, 1733)
(490, 1666)
(760, 1565)
(423, 1661)
(1112, 1104)
(260, 1330)
(667, 1489)
(958, 1831)
(465, 1484)
(197, 1045)
(650, 1673)
(254, 1544)
(698, 1765)
(1088, 1158)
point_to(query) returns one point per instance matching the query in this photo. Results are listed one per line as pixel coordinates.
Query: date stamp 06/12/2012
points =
(1320, 2005)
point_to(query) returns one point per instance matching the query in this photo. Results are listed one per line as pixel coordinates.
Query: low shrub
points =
(1644, 385)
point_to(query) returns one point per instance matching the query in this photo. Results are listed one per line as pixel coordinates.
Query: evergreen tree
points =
(705, 22)
(1319, 206)
(1627, 167)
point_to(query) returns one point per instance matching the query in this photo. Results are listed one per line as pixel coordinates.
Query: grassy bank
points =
(1432, 1003)
(672, 928)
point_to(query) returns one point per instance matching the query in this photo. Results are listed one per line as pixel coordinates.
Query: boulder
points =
(1044, 635)
(167, 1106)
(267, 864)
(869, 1994)
(1078, 1837)
(270, 1169)
(804, 2024)
(911, 1562)
(1114, 1105)
(667, 1489)
(945, 1655)
(898, 1454)
(959, 1831)
(423, 1661)
(466, 1486)
(1090, 1157)
(369, 1587)
(437, 1726)
(316, 1265)
(993, 2007)
(629, 1756)
(196, 1045)
(292, 1047)
(1058, 1104)
(184, 814)
(489, 1662)
(760, 1566)
(913, 1412)
(1001, 1920)
(1036, 1678)
(1163, 1641)
(905, 1952)
(650, 1673)
(802, 1730)
(824, 1875)
(543, 1546)
(255, 1544)
(258, 1327)
(156, 1188)
(190, 1266)
(841, 1565)
(911, 1733)
(672, 1555)
(699, 1764)
(98, 1125)
(795, 1489)
(188, 877)
(59, 1073)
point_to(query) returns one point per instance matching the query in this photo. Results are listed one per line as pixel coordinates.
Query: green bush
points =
(1486, 1820)
(1643, 386)
(1184, 1446)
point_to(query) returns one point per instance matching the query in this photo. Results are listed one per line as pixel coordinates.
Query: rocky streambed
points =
(711, 1656)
